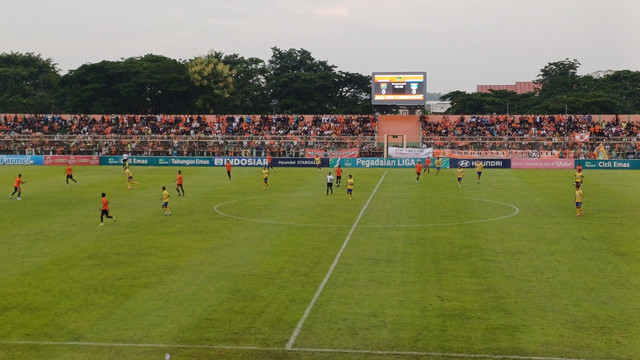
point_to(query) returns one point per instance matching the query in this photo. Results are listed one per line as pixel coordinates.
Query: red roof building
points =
(521, 87)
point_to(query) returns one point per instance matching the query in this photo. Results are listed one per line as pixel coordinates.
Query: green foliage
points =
(215, 77)
(291, 82)
(140, 85)
(563, 91)
(249, 94)
(27, 83)
(299, 84)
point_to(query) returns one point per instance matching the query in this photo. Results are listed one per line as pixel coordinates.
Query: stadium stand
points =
(289, 135)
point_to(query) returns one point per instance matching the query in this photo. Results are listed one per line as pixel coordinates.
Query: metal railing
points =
(157, 145)
(289, 146)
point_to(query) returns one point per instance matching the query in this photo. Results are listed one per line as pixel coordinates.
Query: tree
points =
(299, 84)
(214, 78)
(27, 83)
(139, 85)
(353, 94)
(249, 95)
(558, 77)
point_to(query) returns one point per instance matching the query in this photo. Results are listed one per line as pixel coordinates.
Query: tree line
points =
(290, 82)
(562, 91)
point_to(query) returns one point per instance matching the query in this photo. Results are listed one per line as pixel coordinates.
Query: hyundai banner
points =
(487, 163)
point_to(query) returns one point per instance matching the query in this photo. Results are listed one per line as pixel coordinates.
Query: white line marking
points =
(309, 350)
(516, 212)
(335, 262)
(268, 221)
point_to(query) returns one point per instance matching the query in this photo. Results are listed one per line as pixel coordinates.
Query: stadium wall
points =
(408, 125)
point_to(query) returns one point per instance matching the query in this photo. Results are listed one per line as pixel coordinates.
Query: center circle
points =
(254, 210)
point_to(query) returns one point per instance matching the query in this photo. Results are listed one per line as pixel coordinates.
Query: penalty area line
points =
(296, 332)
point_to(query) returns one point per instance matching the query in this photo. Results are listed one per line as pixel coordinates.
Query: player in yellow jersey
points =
(578, 201)
(350, 187)
(165, 201)
(460, 174)
(438, 165)
(265, 178)
(130, 180)
(579, 177)
(479, 169)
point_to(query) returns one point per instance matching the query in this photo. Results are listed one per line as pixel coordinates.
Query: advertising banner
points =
(609, 164)
(498, 154)
(183, 161)
(542, 163)
(396, 152)
(71, 159)
(111, 160)
(242, 161)
(382, 162)
(158, 161)
(487, 163)
(21, 160)
(345, 153)
(298, 162)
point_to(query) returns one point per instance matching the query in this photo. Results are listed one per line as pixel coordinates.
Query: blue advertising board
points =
(298, 162)
(487, 163)
(158, 161)
(383, 163)
(21, 160)
(609, 164)
(241, 161)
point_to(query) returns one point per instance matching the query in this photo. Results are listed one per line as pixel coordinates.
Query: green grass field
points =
(503, 269)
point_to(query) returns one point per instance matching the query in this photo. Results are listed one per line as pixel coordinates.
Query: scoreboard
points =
(399, 88)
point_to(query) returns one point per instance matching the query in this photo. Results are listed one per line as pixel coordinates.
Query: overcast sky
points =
(459, 43)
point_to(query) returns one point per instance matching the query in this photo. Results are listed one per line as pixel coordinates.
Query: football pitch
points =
(497, 270)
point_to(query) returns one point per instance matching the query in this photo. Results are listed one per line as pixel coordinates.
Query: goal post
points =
(394, 140)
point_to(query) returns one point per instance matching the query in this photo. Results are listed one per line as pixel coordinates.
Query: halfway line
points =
(335, 262)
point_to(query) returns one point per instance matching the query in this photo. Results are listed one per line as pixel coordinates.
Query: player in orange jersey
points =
(69, 173)
(17, 188)
(178, 182)
(104, 210)
(228, 166)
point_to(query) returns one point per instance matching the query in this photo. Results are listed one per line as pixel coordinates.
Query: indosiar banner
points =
(487, 163)
(21, 160)
(383, 162)
(242, 161)
(609, 164)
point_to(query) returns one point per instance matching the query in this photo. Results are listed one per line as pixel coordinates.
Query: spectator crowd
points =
(246, 135)
(290, 135)
(542, 126)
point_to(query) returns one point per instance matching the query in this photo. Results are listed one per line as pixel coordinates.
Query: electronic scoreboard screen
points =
(399, 88)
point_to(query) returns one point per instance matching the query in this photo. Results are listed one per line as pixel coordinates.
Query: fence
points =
(288, 146)
(155, 145)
